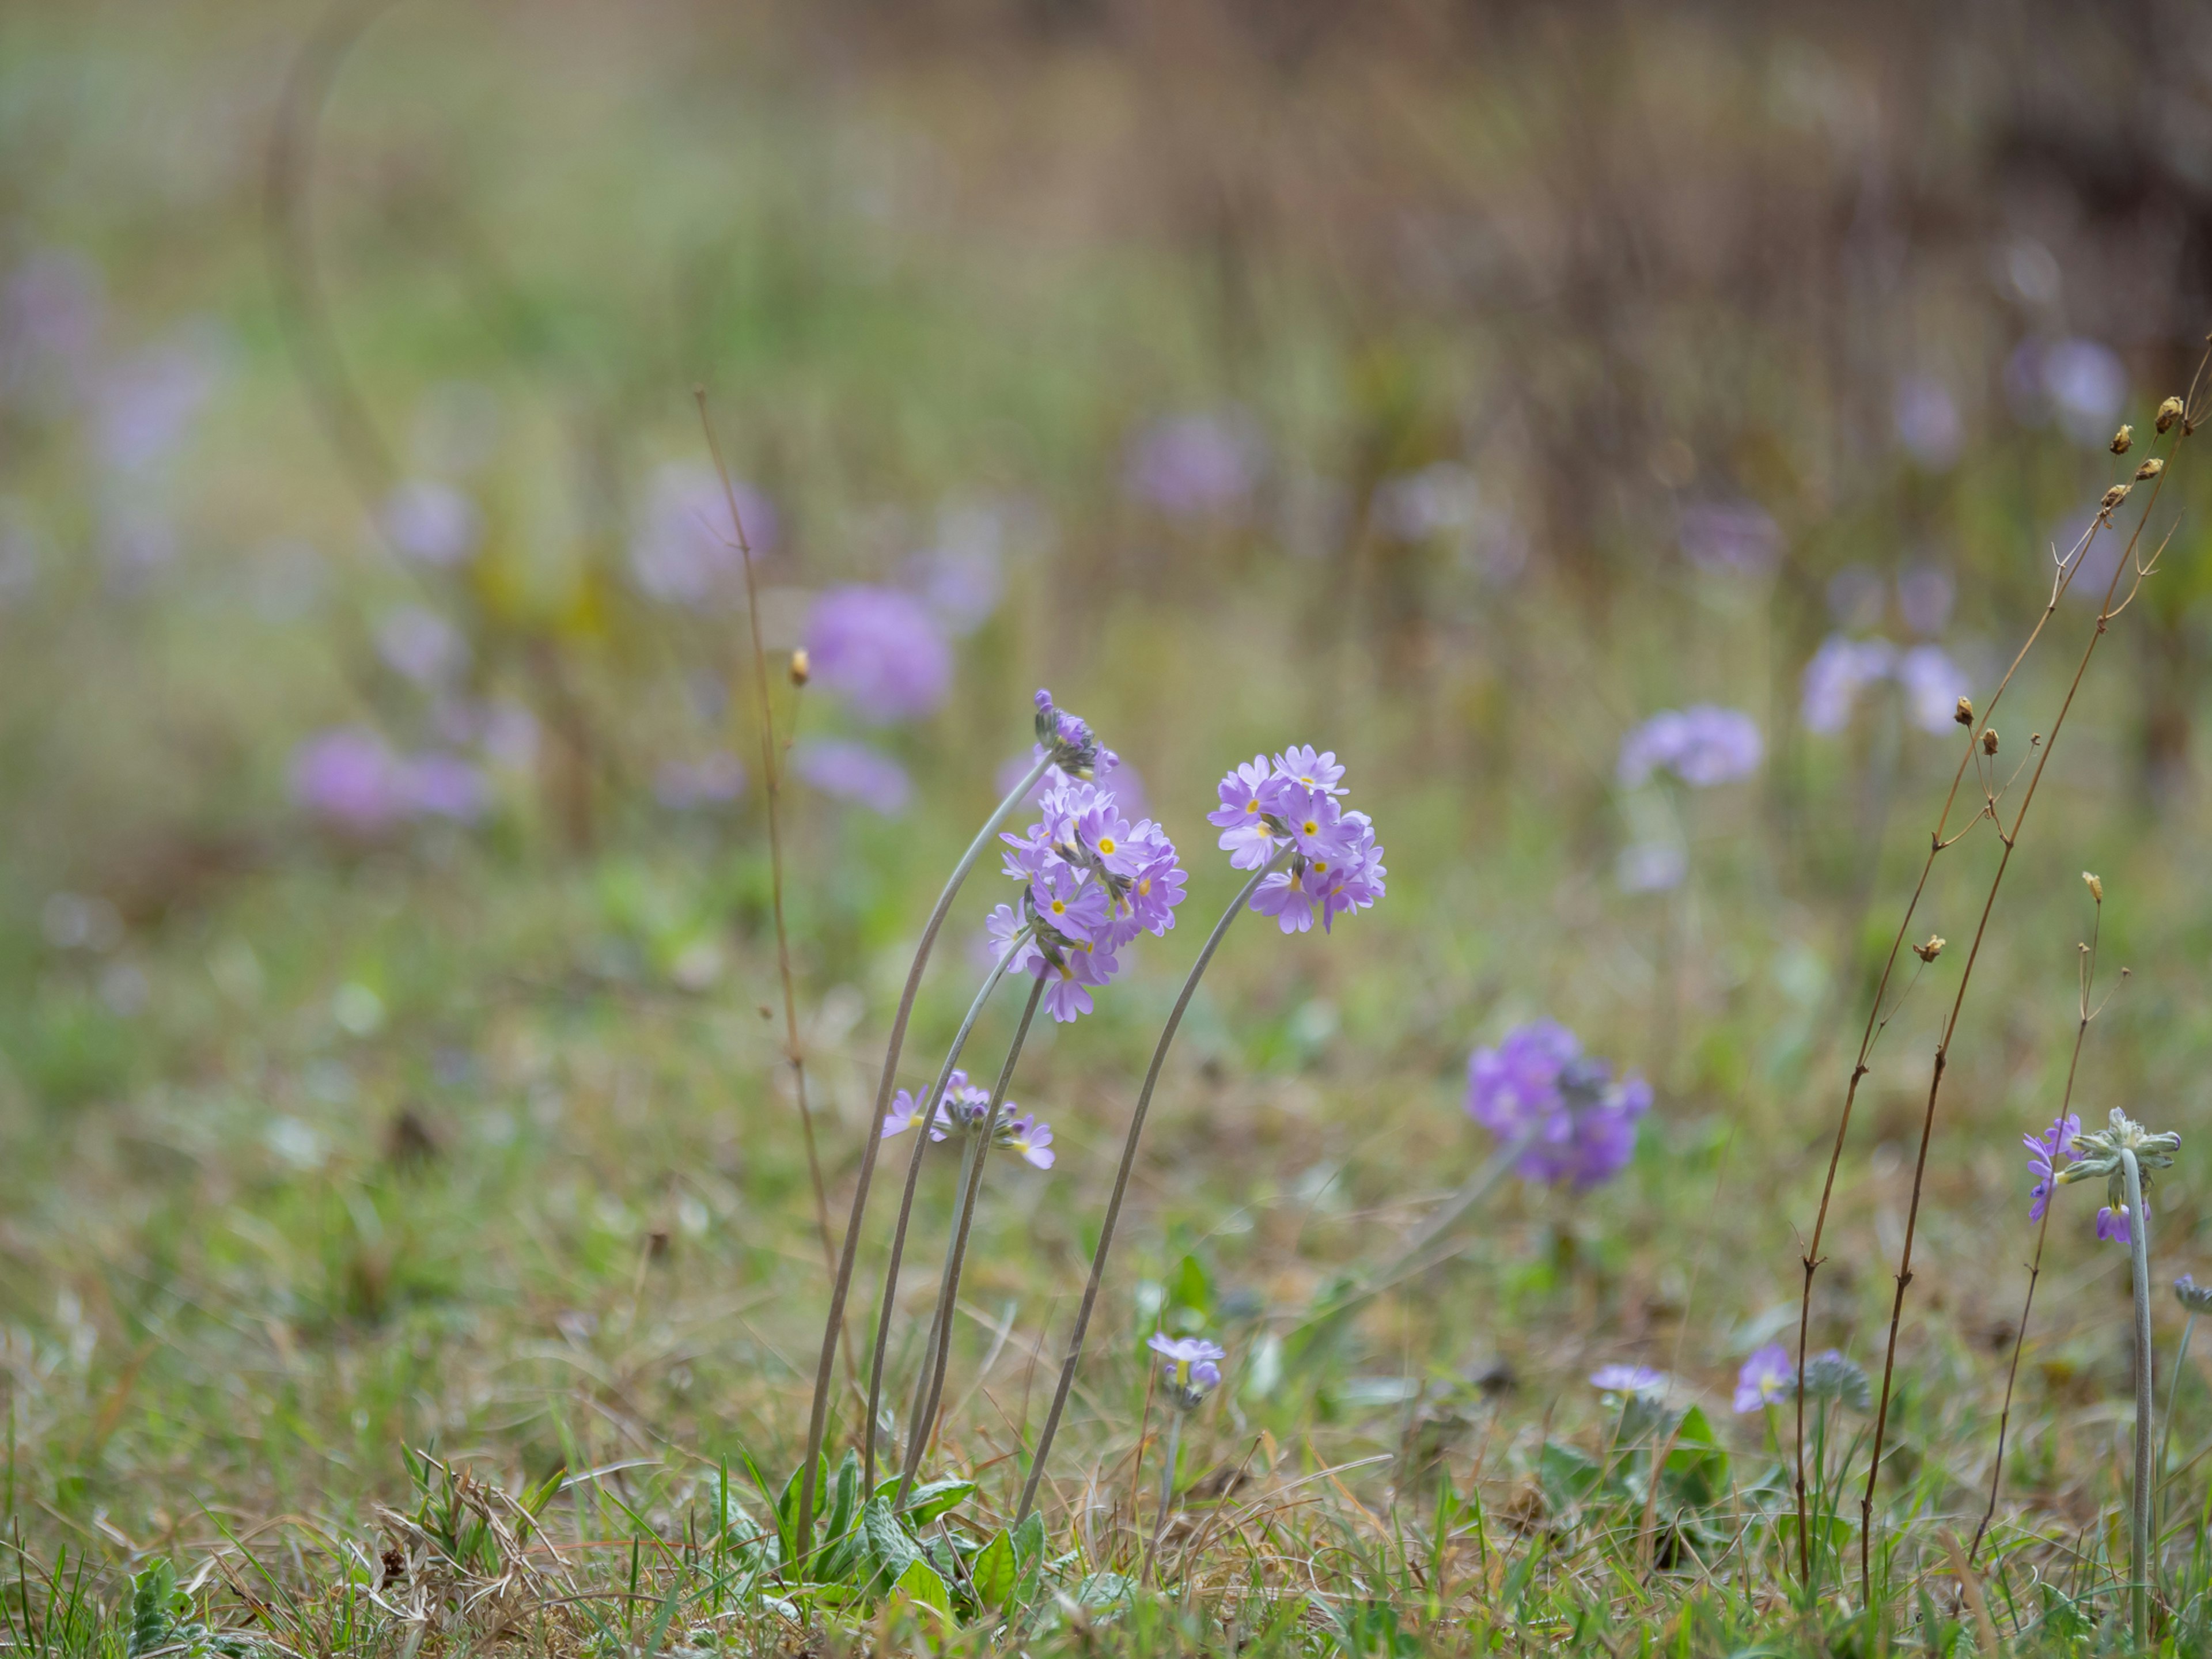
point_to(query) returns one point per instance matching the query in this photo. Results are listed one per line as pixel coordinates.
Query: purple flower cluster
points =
(1091, 882)
(1195, 467)
(881, 650)
(1292, 804)
(350, 779)
(1539, 1080)
(1702, 745)
(1766, 1377)
(849, 771)
(1843, 667)
(1193, 1363)
(962, 1108)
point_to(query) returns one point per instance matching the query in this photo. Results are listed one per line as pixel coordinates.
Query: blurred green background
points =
(384, 938)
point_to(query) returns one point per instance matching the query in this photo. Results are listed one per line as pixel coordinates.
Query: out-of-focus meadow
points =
(390, 1021)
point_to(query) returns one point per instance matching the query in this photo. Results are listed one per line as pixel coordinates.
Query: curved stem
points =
(929, 1385)
(923, 1123)
(841, 1287)
(1121, 1180)
(2139, 1256)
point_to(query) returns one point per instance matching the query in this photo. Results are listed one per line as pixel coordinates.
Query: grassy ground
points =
(411, 1240)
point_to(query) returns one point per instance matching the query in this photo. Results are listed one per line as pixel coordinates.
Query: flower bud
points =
(2168, 413)
(2095, 885)
(2149, 469)
(2196, 1297)
(1932, 949)
(1990, 740)
(2124, 441)
(1965, 713)
(2114, 496)
(800, 667)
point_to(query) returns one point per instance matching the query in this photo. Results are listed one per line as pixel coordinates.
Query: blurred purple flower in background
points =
(1651, 866)
(146, 403)
(1855, 597)
(50, 312)
(2087, 384)
(881, 650)
(1924, 596)
(853, 772)
(1703, 746)
(1766, 1378)
(1737, 538)
(432, 522)
(1926, 419)
(505, 732)
(1195, 465)
(681, 551)
(961, 577)
(349, 778)
(713, 780)
(1639, 1380)
(1838, 672)
(1933, 684)
(421, 645)
(1538, 1081)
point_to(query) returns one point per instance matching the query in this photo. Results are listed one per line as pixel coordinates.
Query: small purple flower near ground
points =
(1193, 1363)
(2055, 1142)
(853, 772)
(1638, 1380)
(1766, 1377)
(1703, 746)
(881, 650)
(1539, 1080)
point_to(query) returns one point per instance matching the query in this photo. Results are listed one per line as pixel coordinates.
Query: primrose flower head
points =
(1702, 745)
(2100, 1153)
(908, 1113)
(2055, 1142)
(1075, 751)
(2197, 1298)
(881, 650)
(1636, 1382)
(1579, 1121)
(1290, 805)
(1766, 1377)
(1192, 1370)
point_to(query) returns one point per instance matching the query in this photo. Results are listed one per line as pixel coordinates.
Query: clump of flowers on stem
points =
(1192, 1370)
(2055, 1142)
(1579, 1120)
(1702, 745)
(1293, 805)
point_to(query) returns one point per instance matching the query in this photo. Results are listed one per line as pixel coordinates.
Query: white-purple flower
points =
(1538, 1082)
(1837, 673)
(1932, 684)
(1766, 1377)
(1703, 746)
(1925, 417)
(2043, 1150)
(432, 522)
(853, 772)
(1290, 804)
(881, 650)
(1192, 1366)
(1639, 1380)
(1028, 1134)
(351, 780)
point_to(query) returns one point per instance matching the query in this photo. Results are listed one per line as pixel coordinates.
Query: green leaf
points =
(1191, 1286)
(920, 1584)
(840, 1537)
(1567, 1477)
(1697, 1469)
(890, 1548)
(1103, 1589)
(926, 1504)
(994, 1570)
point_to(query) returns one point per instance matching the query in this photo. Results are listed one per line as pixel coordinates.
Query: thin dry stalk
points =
(2010, 840)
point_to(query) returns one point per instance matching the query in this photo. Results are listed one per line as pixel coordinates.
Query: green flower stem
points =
(2139, 1252)
(818, 1417)
(1121, 1180)
(929, 1385)
(2174, 1396)
(1167, 1492)
(922, 1145)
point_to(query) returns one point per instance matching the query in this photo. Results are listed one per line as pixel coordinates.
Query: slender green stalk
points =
(1167, 1493)
(1121, 1180)
(925, 1117)
(841, 1288)
(967, 1157)
(929, 1385)
(2139, 1540)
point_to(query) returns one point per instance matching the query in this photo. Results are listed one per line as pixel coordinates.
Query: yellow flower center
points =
(1252, 805)
(1060, 907)
(1312, 829)
(1106, 845)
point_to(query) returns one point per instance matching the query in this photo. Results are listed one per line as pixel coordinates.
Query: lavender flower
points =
(349, 778)
(1091, 881)
(1766, 1377)
(1835, 676)
(442, 785)
(1028, 1134)
(146, 403)
(2113, 1223)
(1925, 598)
(1638, 1381)
(432, 522)
(1702, 745)
(1193, 466)
(1192, 1370)
(853, 772)
(881, 650)
(2086, 383)
(1538, 1081)
(681, 548)
(1933, 684)
(1731, 537)
(1925, 418)
(2055, 1142)
(963, 578)
(906, 1112)
(1291, 803)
